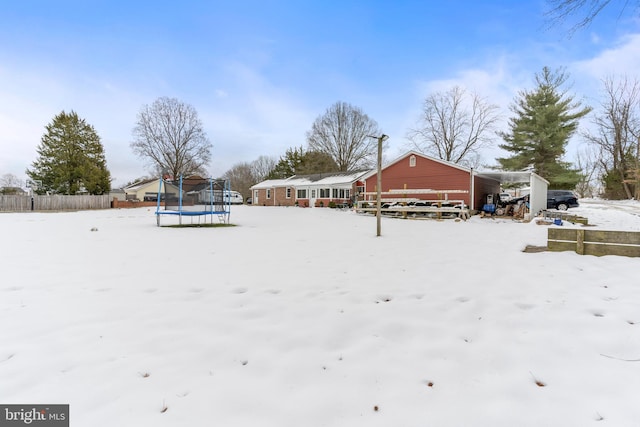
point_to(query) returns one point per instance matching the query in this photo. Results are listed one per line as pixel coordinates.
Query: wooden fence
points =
(594, 242)
(53, 203)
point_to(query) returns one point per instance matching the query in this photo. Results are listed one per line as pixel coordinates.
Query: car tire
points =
(562, 206)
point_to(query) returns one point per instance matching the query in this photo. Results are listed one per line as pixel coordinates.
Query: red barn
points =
(418, 171)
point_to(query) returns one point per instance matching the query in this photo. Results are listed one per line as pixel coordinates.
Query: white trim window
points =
(288, 193)
(412, 161)
(268, 190)
(301, 193)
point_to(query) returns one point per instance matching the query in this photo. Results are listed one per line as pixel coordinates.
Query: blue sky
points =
(260, 72)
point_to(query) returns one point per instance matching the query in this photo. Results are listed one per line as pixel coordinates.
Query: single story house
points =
(117, 193)
(16, 191)
(308, 190)
(437, 179)
(149, 188)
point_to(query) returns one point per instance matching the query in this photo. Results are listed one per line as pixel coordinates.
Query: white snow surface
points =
(303, 317)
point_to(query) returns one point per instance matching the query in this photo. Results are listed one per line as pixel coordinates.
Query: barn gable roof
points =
(415, 153)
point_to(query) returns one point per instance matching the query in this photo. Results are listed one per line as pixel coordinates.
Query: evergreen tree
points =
(316, 162)
(70, 158)
(545, 119)
(288, 164)
(298, 162)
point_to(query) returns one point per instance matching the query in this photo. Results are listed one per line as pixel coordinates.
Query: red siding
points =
(426, 174)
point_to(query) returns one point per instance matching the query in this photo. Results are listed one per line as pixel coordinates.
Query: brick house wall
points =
(281, 199)
(277, 196)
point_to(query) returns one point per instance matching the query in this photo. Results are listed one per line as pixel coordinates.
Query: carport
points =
(538, 185)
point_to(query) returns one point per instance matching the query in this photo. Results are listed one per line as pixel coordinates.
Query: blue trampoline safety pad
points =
(191, 213)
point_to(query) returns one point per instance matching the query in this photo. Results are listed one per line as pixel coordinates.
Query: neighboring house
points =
(308, 190)
(117, 193)
(149, 188)
(16, 191)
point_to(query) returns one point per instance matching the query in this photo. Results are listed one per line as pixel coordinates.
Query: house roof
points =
(320, 179)
(145, 183)
(16, 190)
(137, 185)
(270, 183)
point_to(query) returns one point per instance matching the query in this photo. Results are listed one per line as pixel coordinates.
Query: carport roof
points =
(509, 176)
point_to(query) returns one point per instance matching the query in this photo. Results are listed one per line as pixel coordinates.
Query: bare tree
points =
(343, 133)
(454, 126)
(262, 167)
(585, 10)
(10, 180)
(243, 175)
(587, 161)
(169, 136)
(616, 135)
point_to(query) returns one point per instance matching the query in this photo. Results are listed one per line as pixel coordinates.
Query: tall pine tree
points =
(545, 119)
(70, 158)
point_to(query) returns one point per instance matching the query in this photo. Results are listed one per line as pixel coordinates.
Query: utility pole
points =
(380, 139)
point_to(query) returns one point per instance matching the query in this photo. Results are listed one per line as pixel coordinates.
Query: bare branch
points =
(342, 132)
(454, 125)
(169, 135)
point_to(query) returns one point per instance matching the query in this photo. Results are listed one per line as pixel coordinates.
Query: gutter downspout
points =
(472, 198)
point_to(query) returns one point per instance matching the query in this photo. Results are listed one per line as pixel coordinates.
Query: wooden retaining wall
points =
(565, 216)
(13, 203)
(594, 242)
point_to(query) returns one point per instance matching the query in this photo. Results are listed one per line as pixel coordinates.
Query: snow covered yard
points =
(302, 317)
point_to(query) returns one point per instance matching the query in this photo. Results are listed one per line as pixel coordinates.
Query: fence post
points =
(580, 242)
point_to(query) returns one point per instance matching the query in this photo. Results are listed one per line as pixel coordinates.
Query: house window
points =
(302, 194)
(288, 192)
(313, 194)
(325, 193)
(412, 161)
(335, 193)
(268, 193)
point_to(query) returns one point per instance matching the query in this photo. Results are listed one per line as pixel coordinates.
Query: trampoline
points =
(199, 199)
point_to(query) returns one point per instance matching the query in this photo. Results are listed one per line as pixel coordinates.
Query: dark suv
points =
(561, 199)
